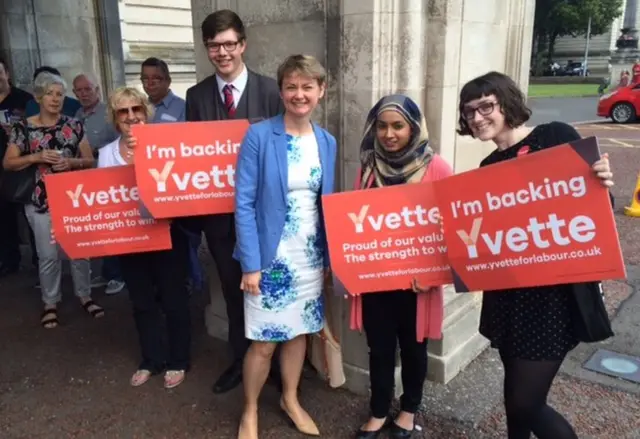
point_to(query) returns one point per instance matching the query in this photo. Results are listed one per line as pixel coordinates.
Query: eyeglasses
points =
(485, 109)
(151, 78)
(229, 46)
(136, 109)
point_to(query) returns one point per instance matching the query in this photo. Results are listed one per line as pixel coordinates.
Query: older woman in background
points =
(285, 165)
(51, 142)
(154, 279)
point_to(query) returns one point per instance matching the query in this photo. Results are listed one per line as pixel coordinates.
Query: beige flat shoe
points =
(173, 378)
(140, 377)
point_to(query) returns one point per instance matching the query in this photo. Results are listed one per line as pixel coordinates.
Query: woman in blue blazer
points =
(285, 165)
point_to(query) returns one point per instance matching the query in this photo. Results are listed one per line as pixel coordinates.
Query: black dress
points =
(531, 323)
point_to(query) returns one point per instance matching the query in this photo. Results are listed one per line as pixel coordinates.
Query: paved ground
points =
(563, 109)
(73, 382)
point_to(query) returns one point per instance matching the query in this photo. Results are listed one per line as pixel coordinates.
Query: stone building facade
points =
(425, 48)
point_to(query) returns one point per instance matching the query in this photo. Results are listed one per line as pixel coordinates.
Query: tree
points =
(557, 18)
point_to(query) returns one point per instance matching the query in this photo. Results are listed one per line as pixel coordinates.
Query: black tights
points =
(526, 386)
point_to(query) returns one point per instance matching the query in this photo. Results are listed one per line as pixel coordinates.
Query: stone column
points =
(426, 49)
(110, 43)
(61, 34)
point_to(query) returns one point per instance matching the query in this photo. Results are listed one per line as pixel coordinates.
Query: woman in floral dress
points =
(285, 165)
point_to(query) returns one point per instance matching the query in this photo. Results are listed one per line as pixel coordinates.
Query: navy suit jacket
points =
(262, 187)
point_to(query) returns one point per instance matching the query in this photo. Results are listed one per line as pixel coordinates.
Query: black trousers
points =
(9, 235)
(389, 318)
(155, 281)
(219, 230)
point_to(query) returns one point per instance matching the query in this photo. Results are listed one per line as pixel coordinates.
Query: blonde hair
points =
(131, 93)
(305, 65)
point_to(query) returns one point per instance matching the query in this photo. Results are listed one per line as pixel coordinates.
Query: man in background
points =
(93, 112)
(169, 108)
(13, 103)
(156, 82)
(99, 132)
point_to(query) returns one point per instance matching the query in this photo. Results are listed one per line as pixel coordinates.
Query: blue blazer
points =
(262, 187)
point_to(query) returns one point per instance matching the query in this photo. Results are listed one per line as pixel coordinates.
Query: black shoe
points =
(397, 432)
(363, 434)
(229, 379)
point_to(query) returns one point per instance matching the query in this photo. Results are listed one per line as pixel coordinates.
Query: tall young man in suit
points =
(233, 92)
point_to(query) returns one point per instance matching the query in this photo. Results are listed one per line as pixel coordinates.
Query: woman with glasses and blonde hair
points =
(154, 279)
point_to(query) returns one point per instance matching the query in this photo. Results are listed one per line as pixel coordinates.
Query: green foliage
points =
(556, 18)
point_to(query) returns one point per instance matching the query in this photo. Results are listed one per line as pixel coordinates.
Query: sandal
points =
(49, 318)
(173, 378)
(93, 309)
(140, 377)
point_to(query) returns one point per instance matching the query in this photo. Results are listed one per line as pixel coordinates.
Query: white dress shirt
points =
(239, 84)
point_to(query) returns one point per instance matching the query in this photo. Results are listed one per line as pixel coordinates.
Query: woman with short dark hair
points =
(532, 328)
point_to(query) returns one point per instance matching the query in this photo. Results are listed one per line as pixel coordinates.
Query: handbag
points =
(18, 186)
(590, 321)
(325, 352)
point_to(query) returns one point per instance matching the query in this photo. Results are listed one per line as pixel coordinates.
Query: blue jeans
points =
(111, 269)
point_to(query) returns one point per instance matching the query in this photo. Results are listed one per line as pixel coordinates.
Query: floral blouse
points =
(64, 136)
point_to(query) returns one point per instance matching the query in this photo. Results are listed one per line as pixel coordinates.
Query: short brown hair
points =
(306, 65)
(221, 21)
(510, 98)
(131, 93)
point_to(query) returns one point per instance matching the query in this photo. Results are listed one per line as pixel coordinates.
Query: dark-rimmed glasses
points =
(484, 108)
(229, 46)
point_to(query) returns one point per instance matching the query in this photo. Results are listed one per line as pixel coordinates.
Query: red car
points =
(622, 105)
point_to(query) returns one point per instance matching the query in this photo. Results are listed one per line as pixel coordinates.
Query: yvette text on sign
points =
(188, 169)
(381, 239)
(95, 213)
(540, 219)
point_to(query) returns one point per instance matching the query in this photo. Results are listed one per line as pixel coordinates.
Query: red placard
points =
(380, 239)
(540, 219)
(95, 213)
(187, 169)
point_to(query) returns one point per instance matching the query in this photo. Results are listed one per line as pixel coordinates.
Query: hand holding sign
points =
(541, 219)
(603, 171)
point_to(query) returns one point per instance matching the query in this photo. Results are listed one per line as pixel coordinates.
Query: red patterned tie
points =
(228, 99)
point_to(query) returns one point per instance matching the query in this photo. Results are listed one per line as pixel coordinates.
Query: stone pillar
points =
(110, 43)
(426, 49)
(62, 34)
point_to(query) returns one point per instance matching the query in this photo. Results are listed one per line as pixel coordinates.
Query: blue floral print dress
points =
(291, 302)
